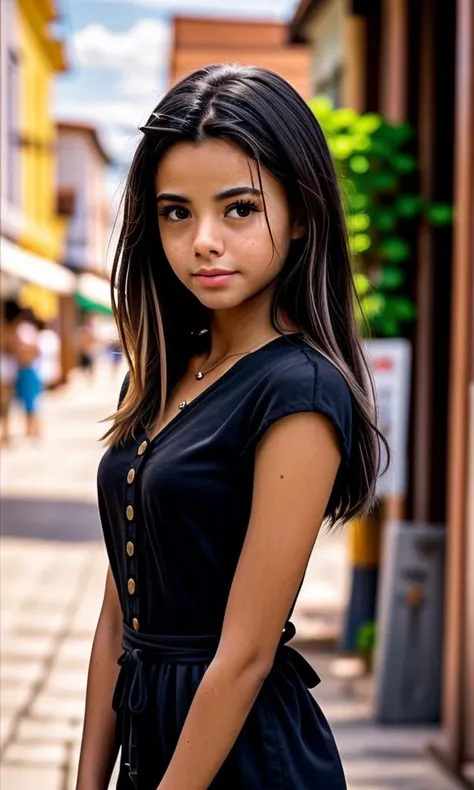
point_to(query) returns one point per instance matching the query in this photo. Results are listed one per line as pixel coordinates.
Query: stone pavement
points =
(51, 592)
(50, 596)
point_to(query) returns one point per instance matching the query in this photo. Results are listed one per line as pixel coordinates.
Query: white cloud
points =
(126, 115)
(139, 55)
(251, 9)
(146, 85)
(139, 58)
(121, 143)
(118, 122)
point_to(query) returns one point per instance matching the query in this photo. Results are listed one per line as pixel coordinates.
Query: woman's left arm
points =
(295, 468)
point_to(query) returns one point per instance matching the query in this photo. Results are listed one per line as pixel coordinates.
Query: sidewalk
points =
(50, 596)
(51, 592)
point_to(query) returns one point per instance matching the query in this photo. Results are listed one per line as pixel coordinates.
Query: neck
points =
(243, 327)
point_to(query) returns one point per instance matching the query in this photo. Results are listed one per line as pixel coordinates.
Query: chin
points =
(219, 301)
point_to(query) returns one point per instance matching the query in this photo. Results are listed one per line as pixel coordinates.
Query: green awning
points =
(88, 304)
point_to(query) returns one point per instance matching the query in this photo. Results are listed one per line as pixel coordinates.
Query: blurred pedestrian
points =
(87, 342)
(244, 423)
(49, 360)
(28, 384)
(9, 349)
(114, 352)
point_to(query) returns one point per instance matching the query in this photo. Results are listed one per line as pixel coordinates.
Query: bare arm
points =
(98, 750)
(295, 469)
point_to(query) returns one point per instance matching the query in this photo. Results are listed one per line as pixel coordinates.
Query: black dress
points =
(174, 513)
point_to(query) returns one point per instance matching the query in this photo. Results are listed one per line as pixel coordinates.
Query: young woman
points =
(244, 422)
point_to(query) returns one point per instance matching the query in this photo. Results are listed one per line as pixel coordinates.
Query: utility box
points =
(408, 667)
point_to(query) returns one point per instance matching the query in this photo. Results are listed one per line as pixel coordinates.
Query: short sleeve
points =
(308, 385)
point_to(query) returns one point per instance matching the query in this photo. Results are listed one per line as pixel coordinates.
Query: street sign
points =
(390, 360)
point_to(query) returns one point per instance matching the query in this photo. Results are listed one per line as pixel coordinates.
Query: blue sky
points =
(118, 53)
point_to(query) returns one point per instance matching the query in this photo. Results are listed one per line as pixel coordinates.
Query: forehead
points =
(209, 164)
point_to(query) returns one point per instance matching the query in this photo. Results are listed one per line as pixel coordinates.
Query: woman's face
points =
(213, 226)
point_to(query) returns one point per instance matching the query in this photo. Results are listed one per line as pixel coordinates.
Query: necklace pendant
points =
(183, 405)
(199, 375)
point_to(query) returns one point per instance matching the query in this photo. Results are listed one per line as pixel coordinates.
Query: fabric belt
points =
(131, 695)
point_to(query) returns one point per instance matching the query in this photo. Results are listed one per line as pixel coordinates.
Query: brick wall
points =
(199, 42)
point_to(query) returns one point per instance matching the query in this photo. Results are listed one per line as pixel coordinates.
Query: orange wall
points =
(199, 42)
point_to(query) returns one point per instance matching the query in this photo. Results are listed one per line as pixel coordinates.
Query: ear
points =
(298, 229)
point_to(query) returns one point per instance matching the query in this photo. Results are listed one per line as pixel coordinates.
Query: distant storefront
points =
(82, 165)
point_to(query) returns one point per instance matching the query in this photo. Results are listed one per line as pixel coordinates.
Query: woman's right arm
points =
(98, 748)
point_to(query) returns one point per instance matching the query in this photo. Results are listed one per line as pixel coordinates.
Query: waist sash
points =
(131, 696)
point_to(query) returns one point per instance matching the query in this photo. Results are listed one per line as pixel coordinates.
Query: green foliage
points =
(373, 165)
(366, 640)
(440, 214)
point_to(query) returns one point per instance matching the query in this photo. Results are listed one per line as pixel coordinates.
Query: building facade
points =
(32, 230)
(82, 163)
(81, 171)
(336, 39)
(414, 62)
(10, 195)
(200, 42)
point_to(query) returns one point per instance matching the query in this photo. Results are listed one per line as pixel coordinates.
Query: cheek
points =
(254, 244)
(174, 247)
(266, 250)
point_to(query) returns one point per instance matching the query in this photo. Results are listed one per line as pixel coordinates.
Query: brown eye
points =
(181, 213)
(242, 209)
(174, 213)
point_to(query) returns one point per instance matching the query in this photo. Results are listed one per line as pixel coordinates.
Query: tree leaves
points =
(373, 167)
(440, 214)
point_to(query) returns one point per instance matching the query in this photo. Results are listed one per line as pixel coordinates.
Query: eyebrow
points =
(228, 193)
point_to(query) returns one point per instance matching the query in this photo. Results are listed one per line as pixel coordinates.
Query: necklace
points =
(199, 374)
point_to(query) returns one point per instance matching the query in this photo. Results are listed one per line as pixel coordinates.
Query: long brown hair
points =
(158, 317)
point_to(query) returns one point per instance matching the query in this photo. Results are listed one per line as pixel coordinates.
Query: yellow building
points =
(41, 57)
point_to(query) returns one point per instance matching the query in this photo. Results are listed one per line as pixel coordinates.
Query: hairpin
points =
(150, 125)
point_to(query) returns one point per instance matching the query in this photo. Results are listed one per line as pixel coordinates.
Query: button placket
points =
(130, 548)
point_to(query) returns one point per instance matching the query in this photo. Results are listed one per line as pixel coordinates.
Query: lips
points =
(213, 272)
(214, 278)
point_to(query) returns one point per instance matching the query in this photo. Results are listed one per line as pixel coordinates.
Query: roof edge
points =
(301, 16)
(89, 128)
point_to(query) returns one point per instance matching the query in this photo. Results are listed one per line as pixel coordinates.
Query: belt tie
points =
(130, 697)
(299, 663)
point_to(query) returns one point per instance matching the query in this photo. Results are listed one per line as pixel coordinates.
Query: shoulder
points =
(298, 370)
(298, 378)
(331, 388)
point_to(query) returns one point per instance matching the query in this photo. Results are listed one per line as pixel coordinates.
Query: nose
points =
(208, 242)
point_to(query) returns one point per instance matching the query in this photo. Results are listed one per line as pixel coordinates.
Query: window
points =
(13, 147)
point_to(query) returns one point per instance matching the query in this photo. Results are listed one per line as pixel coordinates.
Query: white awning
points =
(94, 288)
(35, 269)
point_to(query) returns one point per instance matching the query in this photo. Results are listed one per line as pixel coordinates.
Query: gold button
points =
(135, 624)
(131, 476)
(142, 448)
(130, 512)
(131, 586)
(130, 548)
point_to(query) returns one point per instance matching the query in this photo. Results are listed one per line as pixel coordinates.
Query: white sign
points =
(390, 360)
